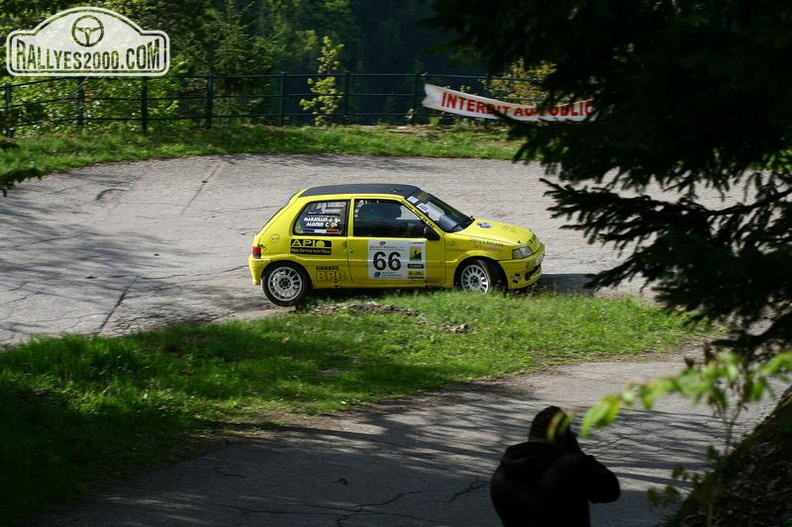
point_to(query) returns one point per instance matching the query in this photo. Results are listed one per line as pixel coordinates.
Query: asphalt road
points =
(424, 462)
(116, 248)
(121, 247)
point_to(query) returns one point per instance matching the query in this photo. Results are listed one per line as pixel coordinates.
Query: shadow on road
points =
(417, 462)
(565, 283)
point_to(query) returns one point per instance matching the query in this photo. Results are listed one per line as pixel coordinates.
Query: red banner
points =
(460, 103)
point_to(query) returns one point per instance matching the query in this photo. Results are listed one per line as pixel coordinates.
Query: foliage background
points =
(268, 36)
(244, 39)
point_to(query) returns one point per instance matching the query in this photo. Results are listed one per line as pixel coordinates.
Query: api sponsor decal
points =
(309, 246)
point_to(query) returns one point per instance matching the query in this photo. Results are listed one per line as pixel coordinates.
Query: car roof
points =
(362, 188)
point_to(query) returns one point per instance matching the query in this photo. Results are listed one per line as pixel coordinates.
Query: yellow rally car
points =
(381, 235)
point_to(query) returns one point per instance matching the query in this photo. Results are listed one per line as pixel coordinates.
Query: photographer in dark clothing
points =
(548, 481)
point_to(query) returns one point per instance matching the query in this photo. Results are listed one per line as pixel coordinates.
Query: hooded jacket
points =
(543, 485)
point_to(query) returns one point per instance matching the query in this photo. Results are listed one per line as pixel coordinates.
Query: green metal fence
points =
(208, 99)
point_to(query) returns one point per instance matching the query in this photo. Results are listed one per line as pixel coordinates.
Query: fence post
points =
(209, 99)
(415, 95)
(281, 95)
(81, 101)
(7, 98)
(144, 104)
(346, 96)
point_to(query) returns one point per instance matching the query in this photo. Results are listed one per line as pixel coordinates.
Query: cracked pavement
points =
(122, 247)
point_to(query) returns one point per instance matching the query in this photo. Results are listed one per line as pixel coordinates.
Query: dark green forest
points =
(244, 37)
(273, 61)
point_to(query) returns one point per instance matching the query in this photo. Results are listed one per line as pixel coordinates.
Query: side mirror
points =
(430, 234)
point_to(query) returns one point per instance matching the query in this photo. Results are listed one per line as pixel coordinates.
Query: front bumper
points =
(523, 272)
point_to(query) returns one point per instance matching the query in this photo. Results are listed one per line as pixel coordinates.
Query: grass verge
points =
(78, 410)
(38, 155)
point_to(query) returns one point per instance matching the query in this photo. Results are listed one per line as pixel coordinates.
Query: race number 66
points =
(389, 260)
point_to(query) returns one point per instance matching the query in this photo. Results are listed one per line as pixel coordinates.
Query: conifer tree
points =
(689, 95)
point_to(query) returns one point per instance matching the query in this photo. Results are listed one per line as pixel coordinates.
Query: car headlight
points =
(521, 252)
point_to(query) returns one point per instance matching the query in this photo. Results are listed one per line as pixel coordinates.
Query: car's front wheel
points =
(285, 283)
(479, 276)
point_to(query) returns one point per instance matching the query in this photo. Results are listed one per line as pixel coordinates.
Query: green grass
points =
(38, 155)
(77, 411)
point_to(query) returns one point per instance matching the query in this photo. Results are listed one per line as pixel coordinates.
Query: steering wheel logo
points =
(87, 31)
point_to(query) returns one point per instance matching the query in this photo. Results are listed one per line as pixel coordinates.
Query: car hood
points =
(499, 232)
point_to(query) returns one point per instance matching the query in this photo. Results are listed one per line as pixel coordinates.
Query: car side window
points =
(385, 219)
(328, 218)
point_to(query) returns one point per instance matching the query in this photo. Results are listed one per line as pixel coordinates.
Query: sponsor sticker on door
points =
(397, 259)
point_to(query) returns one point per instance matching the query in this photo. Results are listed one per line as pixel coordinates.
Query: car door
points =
(319, 241)
(388, 247)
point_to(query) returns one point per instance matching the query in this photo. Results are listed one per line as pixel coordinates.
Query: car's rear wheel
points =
(285, 283)
(479, 276)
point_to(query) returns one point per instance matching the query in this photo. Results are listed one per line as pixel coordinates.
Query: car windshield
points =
(444, 215)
